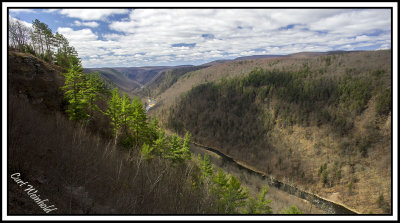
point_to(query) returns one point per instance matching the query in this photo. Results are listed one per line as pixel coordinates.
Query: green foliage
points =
(328, 60)
(292, 210)
(354, 93)
(74, 88)
(29, 49)
(363, 144)
(323, 170)
(147, 152)
(114, 110)
(236, 112)
(229, 193)
(39, 40)
(206, 167)
(82, 91)
(383, 204)
(178, 151)
(324, 178)
(350, 188)
(161, 143)
(260, 205)
(138, 122)
(128, 117)
(384, 102)
(378, 73)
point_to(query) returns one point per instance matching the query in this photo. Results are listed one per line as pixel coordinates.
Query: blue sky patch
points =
(190, 45)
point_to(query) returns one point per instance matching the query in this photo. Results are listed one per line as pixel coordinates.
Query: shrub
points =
(384, 102)
(292, 210)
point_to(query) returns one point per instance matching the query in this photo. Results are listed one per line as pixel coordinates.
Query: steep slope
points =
(35, 81)
(121, 80)
(75, 170)
(335, 107)
(133, 79)
(164, 80)
(141, 74)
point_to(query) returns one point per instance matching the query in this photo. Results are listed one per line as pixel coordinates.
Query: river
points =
(328, 207)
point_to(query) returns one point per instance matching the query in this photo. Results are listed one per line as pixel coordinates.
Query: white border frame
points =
(5, 6)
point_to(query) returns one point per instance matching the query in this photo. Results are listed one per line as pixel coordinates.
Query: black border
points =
(205, 7)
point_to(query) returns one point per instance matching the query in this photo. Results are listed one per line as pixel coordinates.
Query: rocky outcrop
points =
(35, 80)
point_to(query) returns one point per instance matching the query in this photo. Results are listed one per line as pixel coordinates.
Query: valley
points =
(218, 102)
(272, 129)
(205, 112)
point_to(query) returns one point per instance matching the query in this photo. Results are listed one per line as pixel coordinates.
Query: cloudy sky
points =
(150, 37)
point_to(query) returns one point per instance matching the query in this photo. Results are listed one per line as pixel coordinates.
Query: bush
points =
(292, 210)
(384, 102)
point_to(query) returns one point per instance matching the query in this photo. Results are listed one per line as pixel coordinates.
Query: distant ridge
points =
(299, 54)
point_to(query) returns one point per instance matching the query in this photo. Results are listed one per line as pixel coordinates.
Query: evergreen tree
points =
(161, 143)
(74, 88)
(229, 192)
(138, 122)
(114, 111)
(292, 210)
(259, 206)
(94, 90)
(147, 152)
(43, 38)
(206, 167)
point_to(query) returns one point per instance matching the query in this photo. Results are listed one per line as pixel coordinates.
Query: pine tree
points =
(138, 122)
(259, 206)
(185, 150)
(229, 192)
(161, 143)
(292, 210)
(127, 118)
(74, 88)
(93, 90)
(147, 152)
(114, 112)
(173, 150)
(206, 167)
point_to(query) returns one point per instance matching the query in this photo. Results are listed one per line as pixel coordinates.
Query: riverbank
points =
(307, 200)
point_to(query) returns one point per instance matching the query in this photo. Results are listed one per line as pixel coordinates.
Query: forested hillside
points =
(116, 78)
(318, 122)
(323, 123)
(108, 158)
(88, 148)
(166, 79)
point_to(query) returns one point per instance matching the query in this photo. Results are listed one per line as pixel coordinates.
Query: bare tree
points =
(19, 34)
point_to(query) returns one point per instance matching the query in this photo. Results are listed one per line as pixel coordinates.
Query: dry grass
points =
(80, 173)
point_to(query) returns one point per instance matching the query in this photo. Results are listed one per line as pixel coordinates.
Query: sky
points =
(127, 37)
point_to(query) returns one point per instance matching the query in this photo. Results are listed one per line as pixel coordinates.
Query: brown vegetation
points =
(75, 168)
(337, 145)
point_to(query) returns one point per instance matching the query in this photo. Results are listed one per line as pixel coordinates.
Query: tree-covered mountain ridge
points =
(279, 114)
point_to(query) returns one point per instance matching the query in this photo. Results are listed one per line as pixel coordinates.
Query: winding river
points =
(329, 207)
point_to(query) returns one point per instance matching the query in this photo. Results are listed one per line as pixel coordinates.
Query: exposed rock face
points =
(35, 80)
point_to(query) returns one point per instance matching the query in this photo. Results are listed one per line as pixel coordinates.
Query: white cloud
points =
(27, 24)
(89, 24)
(92, 14)
(146, 38)
(78, 35)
